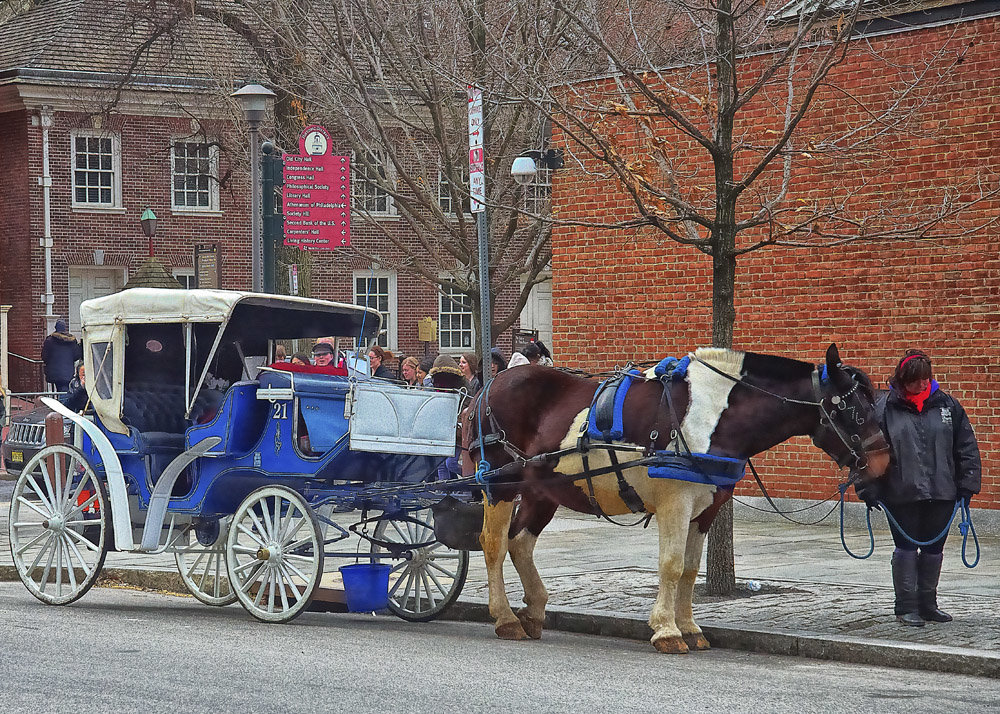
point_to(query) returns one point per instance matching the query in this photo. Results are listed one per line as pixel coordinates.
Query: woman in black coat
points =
(60, 351)
(935, 461)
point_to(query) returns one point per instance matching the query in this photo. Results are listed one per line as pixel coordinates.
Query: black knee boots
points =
(928, 573)
(904, 582)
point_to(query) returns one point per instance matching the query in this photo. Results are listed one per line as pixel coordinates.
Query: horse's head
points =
(848, 429)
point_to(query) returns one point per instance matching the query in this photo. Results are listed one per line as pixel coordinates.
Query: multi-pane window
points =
(446, 200)
(185, 277)
(194, 171)
(96, 171)
(454, 320)
(368, 183)
(378, 290)
(538, 193)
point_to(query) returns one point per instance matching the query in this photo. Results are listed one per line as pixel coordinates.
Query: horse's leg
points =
(684, 615)
(496, 522)
(532, 516)
(673, 515)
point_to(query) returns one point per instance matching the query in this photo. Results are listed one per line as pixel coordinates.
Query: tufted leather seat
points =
(156, 411)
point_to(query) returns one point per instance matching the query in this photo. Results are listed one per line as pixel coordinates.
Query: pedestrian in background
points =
(468, 362)
(377, 357)
(934, 463)
(408, 370)
(60, 351)
(497, 363)
(424, 372)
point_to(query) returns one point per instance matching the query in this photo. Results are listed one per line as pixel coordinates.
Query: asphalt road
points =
(127, 651)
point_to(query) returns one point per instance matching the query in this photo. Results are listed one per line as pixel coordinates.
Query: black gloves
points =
(965, 495)
(870, 492)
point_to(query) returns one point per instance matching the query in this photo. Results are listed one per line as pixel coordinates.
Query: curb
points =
(840, 648)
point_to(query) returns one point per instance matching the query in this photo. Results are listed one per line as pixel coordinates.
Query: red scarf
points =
(918, 400)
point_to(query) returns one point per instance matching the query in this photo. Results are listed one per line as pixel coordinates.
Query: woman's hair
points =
(380, 352)
(473, 361)
(302, 357)
(412, 361)
(426, 364)
(535, 350)
(913, 365)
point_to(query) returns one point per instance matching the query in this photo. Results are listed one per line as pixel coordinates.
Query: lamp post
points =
(255, 99)
(148, 223)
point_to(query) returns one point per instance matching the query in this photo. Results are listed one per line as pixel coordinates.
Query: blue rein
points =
(965, 527)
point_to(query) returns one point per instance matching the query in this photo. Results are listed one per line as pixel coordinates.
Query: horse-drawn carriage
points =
(200, 446)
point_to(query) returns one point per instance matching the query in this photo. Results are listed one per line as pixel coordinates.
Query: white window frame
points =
(213, 177)
(365, 190)
(187, 274)
(390, 321)
(538, 193)
(116, 170)
(444, 197)
(443, 294)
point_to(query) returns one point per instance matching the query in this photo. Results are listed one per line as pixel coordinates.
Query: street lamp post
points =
(255, 99)
(148, 223)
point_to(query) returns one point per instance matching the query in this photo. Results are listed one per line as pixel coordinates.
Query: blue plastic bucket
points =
(366, 586)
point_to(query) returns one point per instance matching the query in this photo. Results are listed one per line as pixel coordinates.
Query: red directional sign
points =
(316, 197)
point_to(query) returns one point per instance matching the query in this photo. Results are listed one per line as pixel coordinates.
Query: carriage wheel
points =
(58, 525)
(426, 585)
(203, 567)
(274, 554)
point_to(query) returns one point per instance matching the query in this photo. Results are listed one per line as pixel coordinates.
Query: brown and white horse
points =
(730, 403)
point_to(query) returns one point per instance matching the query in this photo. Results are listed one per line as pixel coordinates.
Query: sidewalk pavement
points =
(814, 600)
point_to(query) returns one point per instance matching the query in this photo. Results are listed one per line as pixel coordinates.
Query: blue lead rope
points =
(965, 527)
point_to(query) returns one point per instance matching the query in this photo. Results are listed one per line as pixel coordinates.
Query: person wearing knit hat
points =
(446, 374)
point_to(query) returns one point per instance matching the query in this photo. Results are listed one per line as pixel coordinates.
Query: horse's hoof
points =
(532, 627)
(511, 631)
(670, 645)
(697, 642)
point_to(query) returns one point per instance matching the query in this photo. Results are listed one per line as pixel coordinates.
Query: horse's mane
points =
(776, 367)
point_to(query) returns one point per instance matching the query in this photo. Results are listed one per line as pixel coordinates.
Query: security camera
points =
(523, 170)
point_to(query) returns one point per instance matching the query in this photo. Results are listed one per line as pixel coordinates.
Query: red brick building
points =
(620, 295)
(85, 150)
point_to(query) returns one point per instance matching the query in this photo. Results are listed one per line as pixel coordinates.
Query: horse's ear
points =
(832, 358)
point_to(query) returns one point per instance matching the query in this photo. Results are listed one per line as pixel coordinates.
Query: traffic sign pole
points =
(477, 196)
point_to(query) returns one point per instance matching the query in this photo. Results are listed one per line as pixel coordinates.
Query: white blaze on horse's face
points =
(709, 394)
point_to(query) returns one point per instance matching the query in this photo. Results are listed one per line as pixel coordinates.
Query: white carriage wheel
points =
(58, 525)
(203, 568)
(425, 585)
(274, 554)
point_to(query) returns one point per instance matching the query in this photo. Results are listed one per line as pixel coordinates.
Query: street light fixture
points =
(255, 100)
(148, 223)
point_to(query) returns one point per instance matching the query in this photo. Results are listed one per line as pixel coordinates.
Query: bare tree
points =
(722, 95)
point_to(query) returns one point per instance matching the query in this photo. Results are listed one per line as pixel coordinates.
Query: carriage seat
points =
(156, 412)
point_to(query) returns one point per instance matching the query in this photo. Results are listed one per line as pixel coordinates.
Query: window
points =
(368, 183)
(102, 354)
(445, 199)
(538, 193)
(454, 321)
(185, 276)
(378, 290)
(195, 166)
(97, 170)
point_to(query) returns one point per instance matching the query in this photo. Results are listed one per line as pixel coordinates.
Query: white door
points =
(537, 313)
(87, 282)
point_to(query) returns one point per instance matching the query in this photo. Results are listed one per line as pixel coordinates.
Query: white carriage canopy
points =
(189, 326)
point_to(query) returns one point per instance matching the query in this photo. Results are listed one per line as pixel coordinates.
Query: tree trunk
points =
(721, 571)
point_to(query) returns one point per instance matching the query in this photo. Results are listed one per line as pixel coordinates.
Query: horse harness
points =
(605, 425)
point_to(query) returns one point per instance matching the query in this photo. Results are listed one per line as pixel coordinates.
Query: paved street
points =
(121, 650)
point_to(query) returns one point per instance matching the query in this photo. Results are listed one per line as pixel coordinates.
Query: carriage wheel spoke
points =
(246, 531)
(83, 563)
(33, 542)
(80, 538)
(79, 509)
(41, 497)
(295, 588)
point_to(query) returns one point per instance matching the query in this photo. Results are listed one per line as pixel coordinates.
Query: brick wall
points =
(146, 168)
(874, 300)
